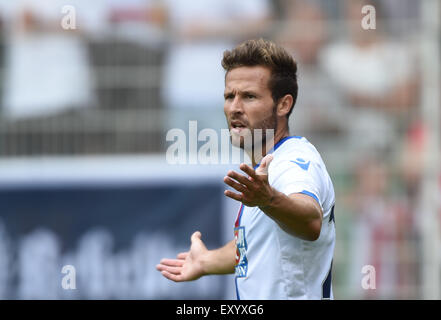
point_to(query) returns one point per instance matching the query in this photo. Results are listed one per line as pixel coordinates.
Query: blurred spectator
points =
(380, 83)
(378, 78)
(141, 21)
(129, 57)
(47, 66)
(382, 234)
(201, 31)
(411, 164)
(411, 158)
(319, 106)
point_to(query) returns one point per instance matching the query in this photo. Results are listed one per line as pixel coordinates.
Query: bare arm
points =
(297, 214)
(199, 261)
(222, 260)
(205, 30)
(400, 98)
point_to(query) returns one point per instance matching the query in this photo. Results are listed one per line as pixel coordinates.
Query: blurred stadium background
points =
(84, 115)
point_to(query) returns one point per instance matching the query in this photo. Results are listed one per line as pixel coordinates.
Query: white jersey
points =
(270, 263)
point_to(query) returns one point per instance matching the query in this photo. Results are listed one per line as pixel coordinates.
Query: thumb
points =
(196, 236)
(264, 164)
(196, 243)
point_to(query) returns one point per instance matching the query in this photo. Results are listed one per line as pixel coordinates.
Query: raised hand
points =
(254, 189)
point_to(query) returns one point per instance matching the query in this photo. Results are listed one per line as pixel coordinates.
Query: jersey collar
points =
(277, 145)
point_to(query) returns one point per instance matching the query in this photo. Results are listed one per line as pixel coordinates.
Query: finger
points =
(172, 277)
(182, 255)
(263, 167)
(240, 178)
(233, 195)
(239, 187)
(172, 270)
(248, 170)
(172, 262)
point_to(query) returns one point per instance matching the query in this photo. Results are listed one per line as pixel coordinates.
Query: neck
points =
(257, 154)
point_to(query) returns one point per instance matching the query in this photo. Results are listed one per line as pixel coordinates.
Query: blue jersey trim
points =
(278, 144)
(240, 214)
(311, 195)
(326, 286)
(331, 216)
(237, 289)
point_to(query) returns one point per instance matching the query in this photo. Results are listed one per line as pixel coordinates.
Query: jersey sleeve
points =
(299, 176)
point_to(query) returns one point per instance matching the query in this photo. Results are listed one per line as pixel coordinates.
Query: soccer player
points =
(284, 234)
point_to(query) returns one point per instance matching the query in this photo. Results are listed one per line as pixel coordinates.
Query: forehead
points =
(247, 78)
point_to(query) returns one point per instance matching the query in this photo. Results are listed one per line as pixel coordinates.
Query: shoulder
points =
(296, 149)
(297, 156)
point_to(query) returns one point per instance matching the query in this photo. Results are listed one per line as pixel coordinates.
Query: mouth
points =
(237, 126)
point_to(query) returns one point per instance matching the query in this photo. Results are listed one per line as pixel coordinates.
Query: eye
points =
(229, 96)
(250, 96)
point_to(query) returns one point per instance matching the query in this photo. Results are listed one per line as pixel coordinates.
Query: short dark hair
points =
(266, 53)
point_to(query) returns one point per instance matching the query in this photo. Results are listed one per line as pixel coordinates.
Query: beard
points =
(255, 137)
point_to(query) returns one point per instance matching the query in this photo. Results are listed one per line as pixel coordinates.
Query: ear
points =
(284, 105)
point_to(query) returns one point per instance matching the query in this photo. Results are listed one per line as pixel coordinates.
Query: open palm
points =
(188, 265)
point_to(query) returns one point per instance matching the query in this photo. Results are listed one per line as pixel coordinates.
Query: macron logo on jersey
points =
(302, 163)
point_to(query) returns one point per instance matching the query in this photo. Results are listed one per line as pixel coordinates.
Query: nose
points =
(236, 106)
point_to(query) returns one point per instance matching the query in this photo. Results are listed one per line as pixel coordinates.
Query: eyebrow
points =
(245, 92)
(250, 92)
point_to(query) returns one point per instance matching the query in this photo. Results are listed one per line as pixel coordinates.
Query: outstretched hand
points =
(254, 189)
(188, 265)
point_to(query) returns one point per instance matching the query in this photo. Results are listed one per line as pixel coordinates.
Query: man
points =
(284, 232)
